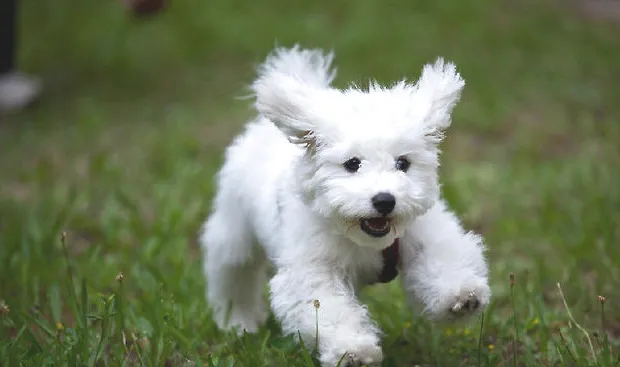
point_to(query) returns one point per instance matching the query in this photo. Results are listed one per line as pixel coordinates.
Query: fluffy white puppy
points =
(338, 189)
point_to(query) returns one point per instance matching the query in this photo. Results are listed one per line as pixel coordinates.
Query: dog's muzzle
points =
(376, 227)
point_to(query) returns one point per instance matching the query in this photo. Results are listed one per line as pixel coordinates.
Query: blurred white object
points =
(17, 91)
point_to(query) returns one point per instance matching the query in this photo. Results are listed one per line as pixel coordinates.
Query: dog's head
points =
(371, 155)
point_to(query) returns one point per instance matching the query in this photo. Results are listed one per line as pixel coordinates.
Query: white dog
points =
(337, 189)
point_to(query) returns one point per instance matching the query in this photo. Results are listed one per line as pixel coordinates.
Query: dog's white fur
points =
(285, 198)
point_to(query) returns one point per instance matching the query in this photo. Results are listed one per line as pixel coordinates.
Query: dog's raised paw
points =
(470, 299)
(353, 360)
(460, 301)
(467, 304)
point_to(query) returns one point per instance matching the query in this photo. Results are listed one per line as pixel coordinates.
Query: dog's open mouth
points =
(376, 227)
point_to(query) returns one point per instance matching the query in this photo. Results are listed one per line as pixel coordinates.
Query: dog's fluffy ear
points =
(283, 100)
(286, 88)
(440, 86)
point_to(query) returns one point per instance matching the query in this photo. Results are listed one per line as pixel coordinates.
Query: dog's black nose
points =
(384, 202)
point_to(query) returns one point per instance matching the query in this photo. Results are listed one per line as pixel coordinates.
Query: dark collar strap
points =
(390, 262)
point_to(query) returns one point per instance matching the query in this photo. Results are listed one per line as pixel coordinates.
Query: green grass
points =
(121, 150)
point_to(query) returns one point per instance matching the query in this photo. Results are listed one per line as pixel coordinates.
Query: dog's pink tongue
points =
(377, 223)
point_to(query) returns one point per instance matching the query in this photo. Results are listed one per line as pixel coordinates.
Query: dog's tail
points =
(310, 66)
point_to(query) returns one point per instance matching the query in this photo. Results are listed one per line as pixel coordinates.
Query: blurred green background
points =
(122, 147)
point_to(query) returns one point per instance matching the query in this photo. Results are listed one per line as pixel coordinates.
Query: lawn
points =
(120, 153)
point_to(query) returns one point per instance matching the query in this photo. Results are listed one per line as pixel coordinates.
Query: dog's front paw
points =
(467, 299)
(466, 302)
(355, 352)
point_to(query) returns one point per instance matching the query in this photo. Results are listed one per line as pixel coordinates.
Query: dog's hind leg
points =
(236, 272)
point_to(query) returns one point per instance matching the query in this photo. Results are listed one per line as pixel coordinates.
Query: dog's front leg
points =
(317, 301)
(444, 266)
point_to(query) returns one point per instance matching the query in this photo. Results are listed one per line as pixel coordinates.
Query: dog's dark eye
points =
(352, 165)
(402, 164)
